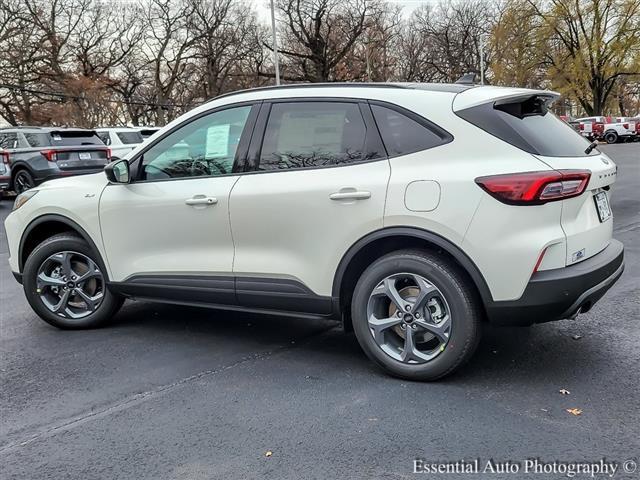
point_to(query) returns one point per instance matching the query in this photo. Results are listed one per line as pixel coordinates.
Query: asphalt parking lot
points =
(174, 392)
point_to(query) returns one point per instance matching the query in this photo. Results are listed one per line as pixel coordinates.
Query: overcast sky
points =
(262, 6)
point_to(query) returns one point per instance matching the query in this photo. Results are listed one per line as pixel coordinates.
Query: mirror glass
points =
(121, 171)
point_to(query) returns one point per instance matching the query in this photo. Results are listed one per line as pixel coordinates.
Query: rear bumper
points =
(53, 173)
(563, 292)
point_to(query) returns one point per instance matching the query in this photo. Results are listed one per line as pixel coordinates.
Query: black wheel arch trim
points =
(53, 217)
(456, 252)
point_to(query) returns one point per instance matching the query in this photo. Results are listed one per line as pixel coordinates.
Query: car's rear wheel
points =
(23, 181)
(415, 315)
(65, 284)
(611, 137)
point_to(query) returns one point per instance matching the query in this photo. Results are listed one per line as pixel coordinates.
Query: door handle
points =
(201, 200)
(350, 195)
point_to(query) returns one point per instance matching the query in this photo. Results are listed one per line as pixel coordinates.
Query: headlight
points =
(23, 198)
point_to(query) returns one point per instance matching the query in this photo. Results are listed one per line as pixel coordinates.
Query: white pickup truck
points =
(121, 140)
(611, 130)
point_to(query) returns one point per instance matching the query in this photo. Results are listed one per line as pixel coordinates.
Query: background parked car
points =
(5, 171)
(37, 154)
(121, 140)
(591, 127)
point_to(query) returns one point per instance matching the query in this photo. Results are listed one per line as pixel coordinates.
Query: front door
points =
(168, 232)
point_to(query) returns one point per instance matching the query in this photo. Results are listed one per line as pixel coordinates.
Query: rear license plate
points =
(602, 205)
(84, 155)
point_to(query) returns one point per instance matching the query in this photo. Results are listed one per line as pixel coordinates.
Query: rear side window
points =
(36, 140)
(74, 138)
(528, 125)
(313, 134)
(129, 138)
(403, 135)
(8, 140)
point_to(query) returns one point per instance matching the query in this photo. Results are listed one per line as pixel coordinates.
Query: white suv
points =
(121, 140)
(412, 212)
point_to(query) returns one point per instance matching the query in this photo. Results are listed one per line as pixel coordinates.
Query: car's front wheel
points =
(415, 315)
(65, 284)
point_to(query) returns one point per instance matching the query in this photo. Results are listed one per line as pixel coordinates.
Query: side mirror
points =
(118, 171)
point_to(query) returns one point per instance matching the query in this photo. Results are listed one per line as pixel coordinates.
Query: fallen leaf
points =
(574, 411)
(576, 337)
(564, 392)
(268, 454)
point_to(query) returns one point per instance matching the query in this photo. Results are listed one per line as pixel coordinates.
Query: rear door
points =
(315, 184)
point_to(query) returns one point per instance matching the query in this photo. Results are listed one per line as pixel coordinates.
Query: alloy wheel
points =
(22, 182)
(409, 318)
(70, 284)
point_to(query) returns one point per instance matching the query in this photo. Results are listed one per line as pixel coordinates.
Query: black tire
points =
(611, 137)
(460, 297)
(23, 181)
(109, 305)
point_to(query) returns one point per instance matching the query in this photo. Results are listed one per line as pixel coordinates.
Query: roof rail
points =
(310, 85)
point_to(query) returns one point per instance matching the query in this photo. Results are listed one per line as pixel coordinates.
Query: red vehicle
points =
(5, 171)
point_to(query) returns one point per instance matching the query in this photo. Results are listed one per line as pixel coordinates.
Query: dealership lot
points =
(171, 392)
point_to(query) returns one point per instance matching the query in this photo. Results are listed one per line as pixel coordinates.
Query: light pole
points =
(275, 43)
(481, 59)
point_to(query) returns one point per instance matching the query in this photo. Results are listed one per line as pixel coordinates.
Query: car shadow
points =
(513, 354)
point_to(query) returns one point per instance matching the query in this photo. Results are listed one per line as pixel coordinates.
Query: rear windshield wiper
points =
(591, 146)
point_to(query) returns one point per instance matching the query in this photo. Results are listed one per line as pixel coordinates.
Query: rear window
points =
(74, 138)
(528, 125)
(147, 132)
(130, 137)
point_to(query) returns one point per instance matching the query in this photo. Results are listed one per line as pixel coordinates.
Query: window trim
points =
(434, 128)
(372, 143)
(136, 161)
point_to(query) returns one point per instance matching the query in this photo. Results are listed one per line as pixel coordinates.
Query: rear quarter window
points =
(36, 140)
(403, 135)
(528, 125)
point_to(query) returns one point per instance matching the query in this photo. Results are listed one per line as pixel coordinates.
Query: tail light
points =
(625, 126)
(108, 154)
(4, 157)
(535, 188)
(582, 126)
(598, 127)
(50, 155)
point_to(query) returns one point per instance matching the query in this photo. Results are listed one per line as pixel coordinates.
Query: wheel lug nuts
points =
(399, 313)
(417, 315)
(403, 326)
(414, 326)
(73, 277)
(408, 308)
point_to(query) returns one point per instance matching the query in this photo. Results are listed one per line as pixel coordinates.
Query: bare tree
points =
(318, 34)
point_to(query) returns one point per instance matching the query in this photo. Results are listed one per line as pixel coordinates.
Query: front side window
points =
(205, 147)
(313, 134)
(402, 135)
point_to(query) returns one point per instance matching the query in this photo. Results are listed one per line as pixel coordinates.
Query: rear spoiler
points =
(500, 96)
